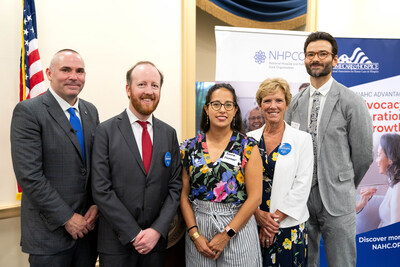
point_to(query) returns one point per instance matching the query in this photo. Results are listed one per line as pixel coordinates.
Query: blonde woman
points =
(287, 155)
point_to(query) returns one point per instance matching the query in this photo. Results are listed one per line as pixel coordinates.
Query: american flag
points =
(31, 71)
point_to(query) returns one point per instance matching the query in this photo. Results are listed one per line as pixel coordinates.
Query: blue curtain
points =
(264, 10)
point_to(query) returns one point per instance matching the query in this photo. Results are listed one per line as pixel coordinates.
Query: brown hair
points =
(236, 123)
(315, 36)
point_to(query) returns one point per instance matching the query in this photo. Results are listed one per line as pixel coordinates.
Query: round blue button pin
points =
(285, 149)
(167, 159)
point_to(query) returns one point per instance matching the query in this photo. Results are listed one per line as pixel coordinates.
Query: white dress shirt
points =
(324, 90)
(65, 105)
(138, 130)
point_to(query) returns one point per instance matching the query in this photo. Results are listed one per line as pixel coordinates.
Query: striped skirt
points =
(211, 219)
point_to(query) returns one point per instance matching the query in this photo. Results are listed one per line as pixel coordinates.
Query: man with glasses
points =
(254, 120)
(341, 128)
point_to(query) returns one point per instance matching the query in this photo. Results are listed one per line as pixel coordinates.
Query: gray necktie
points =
(312, 129)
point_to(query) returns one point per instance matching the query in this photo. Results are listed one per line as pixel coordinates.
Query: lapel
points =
(126, 130)
(330, 102)
(157, 139)
(286, 138)
(281, 174)
(302, 107)
(59, 116)
(87, 126)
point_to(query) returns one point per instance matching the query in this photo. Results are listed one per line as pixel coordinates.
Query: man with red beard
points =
(341, 129)
(136, 179)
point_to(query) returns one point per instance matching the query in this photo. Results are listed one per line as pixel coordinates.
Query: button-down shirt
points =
(138, 130)
(65, 105)
(324, 90)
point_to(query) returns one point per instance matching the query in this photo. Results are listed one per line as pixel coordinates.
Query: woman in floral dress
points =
(287, 155)
(222, 180)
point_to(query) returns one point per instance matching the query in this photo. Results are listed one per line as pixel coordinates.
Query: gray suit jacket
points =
(49, 168)
(345, 149)
(128, 199)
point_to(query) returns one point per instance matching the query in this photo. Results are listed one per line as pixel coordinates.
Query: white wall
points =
(205, 45)
(111, 36)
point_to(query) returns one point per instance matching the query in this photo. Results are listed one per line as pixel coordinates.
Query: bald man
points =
(51, 143)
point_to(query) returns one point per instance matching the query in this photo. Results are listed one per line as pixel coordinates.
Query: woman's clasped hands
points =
(212, 249)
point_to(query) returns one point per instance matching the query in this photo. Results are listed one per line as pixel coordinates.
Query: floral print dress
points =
(222, 180)
(290, 246)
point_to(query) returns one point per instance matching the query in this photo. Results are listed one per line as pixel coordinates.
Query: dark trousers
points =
(155, 258)
(82, 254)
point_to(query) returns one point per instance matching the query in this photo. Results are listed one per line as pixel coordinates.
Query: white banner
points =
(245, 54)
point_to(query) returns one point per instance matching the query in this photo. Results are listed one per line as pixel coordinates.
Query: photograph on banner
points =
(201, 92)
(376, 77)
(378, 202)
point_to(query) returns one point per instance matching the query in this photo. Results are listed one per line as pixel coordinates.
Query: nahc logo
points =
(357, 63)
(260, 57)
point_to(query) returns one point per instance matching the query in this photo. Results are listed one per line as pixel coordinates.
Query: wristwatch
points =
(231, 233)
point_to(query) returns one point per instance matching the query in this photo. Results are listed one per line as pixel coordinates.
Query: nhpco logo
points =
(357, 63)
(260, 57)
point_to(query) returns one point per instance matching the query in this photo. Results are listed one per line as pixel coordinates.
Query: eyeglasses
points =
(321, 54)
(216, 105)
(258, 118)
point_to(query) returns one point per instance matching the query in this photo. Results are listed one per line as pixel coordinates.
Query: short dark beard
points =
(324, 72)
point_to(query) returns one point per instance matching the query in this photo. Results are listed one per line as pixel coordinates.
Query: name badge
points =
(167, 159)
(295, 125)
(284, 149)
(231, 158)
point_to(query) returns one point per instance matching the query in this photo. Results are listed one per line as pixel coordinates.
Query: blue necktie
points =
(76, 124)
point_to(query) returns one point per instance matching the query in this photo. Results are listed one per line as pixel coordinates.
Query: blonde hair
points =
(271, 86)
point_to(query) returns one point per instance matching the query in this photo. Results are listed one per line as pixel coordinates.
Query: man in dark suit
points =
(341, 128)
(136, 176)
(51, 143)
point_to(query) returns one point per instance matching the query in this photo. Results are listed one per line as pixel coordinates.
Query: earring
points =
(234, 119)
(207, 119)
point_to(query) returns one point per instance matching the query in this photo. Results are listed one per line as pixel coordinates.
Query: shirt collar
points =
(324, 89)
(133, 118)
(64, 104)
